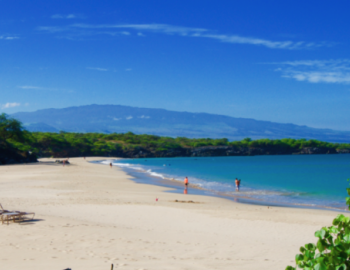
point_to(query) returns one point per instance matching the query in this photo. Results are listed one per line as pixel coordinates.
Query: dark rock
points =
(62, 161)
(317, 150)
(343, 151)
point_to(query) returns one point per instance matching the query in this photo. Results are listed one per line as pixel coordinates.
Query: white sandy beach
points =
(89, 216)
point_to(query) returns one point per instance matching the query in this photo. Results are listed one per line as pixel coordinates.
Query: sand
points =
(89, 216)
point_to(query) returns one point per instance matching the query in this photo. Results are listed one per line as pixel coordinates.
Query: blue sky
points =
(282, 61)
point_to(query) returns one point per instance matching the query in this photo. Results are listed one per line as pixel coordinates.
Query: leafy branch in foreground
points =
(332, 250)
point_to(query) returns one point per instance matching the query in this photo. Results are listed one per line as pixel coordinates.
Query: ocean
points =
(312, 181)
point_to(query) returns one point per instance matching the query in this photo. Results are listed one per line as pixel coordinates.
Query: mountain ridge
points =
(122, 119)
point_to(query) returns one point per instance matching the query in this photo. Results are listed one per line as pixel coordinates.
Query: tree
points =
(10, 128)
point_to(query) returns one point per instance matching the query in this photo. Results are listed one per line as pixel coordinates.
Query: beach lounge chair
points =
(26, 215)
(14, 216)
(2, 210)
(10, 216)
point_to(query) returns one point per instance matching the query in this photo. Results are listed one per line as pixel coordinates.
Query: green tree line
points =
(45, 144)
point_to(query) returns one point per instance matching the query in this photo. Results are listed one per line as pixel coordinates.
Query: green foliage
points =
(46, 144)
(10, 129)
(65, 144)
(332, 250)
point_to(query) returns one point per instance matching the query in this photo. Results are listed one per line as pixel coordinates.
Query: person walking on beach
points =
(186, 181)
(110, 165)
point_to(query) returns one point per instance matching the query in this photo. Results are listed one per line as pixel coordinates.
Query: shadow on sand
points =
(30, 221)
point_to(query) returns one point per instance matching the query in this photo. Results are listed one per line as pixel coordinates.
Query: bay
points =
(299, 180)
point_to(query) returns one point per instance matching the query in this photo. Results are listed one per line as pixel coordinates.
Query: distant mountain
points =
(42, 127)
(121, 119)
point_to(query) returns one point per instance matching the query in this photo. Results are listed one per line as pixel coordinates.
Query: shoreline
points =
(178, 188)
(141, 176)
(88, 217)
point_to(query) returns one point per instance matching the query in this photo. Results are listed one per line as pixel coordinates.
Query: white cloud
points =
(97, 68)
(165, 28)
(88, 29)
(128, 69)
(31, 87)
(317, 63)
(60, 16)
(8, 37)
(73, 33)
(144, 116)
(317, 71)
(320, 77)
(52, 29)
(256, 41)
(10, 105)
(129, 117)
(116, 119)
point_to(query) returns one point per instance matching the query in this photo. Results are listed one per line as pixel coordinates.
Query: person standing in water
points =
(237, 182)
(186, 181)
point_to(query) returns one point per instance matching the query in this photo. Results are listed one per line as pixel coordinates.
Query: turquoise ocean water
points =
(307, 180)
